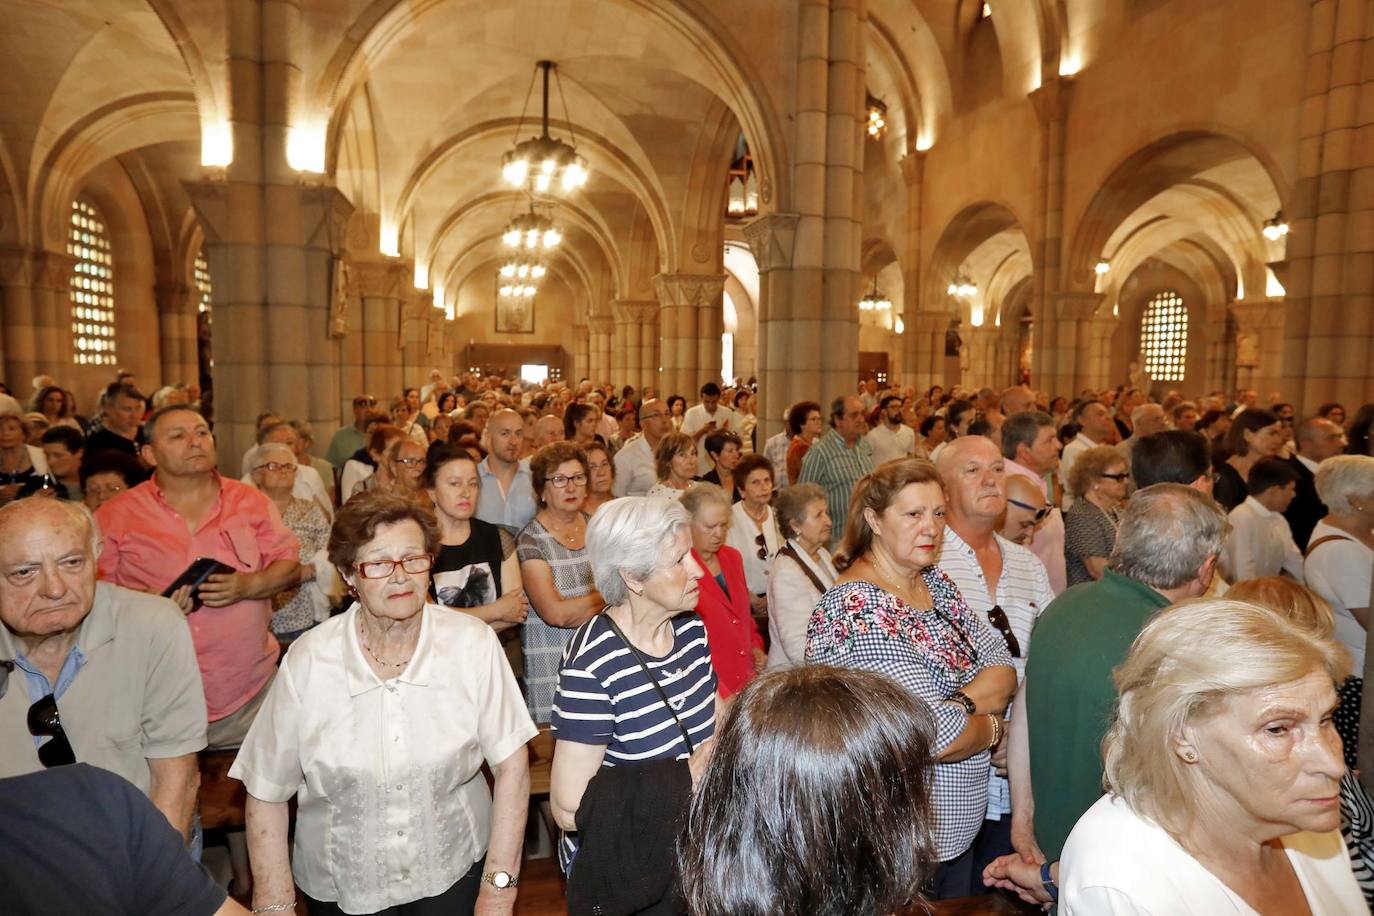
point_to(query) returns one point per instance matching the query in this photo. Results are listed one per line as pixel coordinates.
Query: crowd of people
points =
(1104, 652)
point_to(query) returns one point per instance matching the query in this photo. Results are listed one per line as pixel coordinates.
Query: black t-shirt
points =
(82, 841)
(469, 575)
(103, 439)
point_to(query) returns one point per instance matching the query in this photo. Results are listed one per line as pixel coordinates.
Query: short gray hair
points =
(628, 535)
(1167, 532)
(790, 503)
(698, 495)
(1343, 476)
(1022, 429)
(259, 453)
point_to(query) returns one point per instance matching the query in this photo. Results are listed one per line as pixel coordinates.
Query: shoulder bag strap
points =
(788, 551)
(691, 748)
(1322, 540)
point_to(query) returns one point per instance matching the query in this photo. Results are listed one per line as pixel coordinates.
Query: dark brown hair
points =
(749, 464)
(545, 463)
(360, 517)
(667, 447)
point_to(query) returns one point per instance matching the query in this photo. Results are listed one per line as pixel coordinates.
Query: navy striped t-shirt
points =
(604, 697)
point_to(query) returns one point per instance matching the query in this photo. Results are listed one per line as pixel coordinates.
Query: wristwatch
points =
(500, 879)
(1047, 882)
(963, 700)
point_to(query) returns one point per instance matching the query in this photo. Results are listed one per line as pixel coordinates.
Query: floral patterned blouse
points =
(932, 652)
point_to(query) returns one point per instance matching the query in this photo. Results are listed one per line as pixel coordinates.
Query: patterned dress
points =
(293, 610)
(543, 642)
(933, 653)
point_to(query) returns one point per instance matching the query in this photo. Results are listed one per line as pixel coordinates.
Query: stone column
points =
(599, 363)
(925, 334)
(176, 310)
(637, 330)
(35, 291)
(386, 327)
(980, 345)
(1054, 355)
(1258, 343)
(915, 349)
(581, 353)
(687, 357)
(1079, 347)
(783, 350)
(625, 346)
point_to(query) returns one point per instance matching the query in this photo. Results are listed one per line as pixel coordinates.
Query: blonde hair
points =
(1183, 665)
(1290, 599)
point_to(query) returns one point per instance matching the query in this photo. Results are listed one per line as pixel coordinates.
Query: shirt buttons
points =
(400, 833)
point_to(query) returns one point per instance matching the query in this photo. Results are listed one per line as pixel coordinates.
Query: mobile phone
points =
(201, 568)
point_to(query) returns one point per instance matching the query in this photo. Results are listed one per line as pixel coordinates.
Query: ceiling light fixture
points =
(875, 301)
(1102, 267)
(1276, 227)
(877, 117)
(543, 162)
(962, 287)
(532, 232)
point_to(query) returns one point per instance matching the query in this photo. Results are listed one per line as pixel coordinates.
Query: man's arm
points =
(1019, 775)
(175, 781)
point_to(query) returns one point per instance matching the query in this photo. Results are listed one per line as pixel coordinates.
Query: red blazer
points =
(730, 629)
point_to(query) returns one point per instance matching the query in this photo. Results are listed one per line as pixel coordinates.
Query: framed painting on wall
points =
(514, 314)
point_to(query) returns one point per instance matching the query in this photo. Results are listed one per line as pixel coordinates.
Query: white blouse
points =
(393, 806)
(743, 536)
(1117, 863)
(791, 599)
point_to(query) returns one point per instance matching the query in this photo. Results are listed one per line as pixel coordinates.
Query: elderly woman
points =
(636, 688)
(724, 448)
(802, 571)
(1098, 482)
(675, 460)
(554, 566)
(378, 722)
(20, 463)
(600, 478)
(804, 421)
(1254, 434)
(1223, 774)
(476, 569)
(894, 611)
(107, 473)
(736, 644)
(754, 527)
(1340, 556)
(848, 755)
(401, 470)
(272, 467)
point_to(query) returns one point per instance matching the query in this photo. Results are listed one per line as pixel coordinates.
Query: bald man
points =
(1017, 399)
(547, 429)
(1025, 507)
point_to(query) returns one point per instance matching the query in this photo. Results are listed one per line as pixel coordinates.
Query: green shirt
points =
(1071, 697)
(345, 442)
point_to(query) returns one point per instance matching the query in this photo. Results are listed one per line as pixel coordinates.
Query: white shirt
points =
(775, 450)
(1339, 571)
(635, 471)
(791, 599)
(309, 486)
(1117, 863)
(696, 418)
(354, 473)
(393, 806)
(1023, 592)
(663, 491)
(889, 443)
(1260, 543)
(1078, 446)
(743, 536)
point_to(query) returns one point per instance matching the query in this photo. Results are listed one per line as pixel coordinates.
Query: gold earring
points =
(1190, 756)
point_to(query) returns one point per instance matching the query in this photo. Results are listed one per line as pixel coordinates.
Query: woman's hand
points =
(758, 604)
(495, 901)
(513, 607)
(700, 760)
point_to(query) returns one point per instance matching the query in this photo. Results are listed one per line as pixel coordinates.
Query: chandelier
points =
(517, 291)
(518, 267)
(545, 161)
(874, 301)
(962, 287)
(1275, 228)
(876, 123)
(531, 232)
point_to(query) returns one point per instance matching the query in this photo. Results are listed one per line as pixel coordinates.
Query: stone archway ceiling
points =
(996, 266)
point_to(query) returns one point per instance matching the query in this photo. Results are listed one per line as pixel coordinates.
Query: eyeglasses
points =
(762, 544)
(1040, 511)
(1117, 477)
(384, 569)
(562, 480)
(598, 465)
(44, 719)
(275, 466)
(410, 462)
(98, 490)
(998, 618)
(364, 402)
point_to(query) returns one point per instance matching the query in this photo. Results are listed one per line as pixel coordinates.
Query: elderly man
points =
(1017, 399)
(891, 438)
(154, 531)
(1317, 440)
(108, 675)
(547, 430)
(1001, 582)
(839, 459)
(1026, 507)
(1031, 449)
(349, 439)
(1095, 427)
(1166, 551)
(507, 494)
(121, 411)
(635, 471)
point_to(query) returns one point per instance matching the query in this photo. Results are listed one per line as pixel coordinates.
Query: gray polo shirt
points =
(135, 693)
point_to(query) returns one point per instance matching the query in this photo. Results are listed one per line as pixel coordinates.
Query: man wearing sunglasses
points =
(1002, 582)
(1032, 450)
(1026, 508)
(348, 439)
(96, 673)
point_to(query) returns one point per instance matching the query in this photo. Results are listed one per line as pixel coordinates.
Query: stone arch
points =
(986, 232)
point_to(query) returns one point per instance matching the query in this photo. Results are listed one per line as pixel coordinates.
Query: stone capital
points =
(1051, 100)
(379, 279)
(1077, 306)
(36, 268)
(601, 324)
(634, 311)
(688, 289)
(1254, 315)
(770, 238)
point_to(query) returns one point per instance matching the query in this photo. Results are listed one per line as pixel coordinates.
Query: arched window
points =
(1164, 337)
(203, 285)
(93, 317)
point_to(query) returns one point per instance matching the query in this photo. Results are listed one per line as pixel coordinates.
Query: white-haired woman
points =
(1223, 774)
(636, 684)
(1340, 555)
(272, 468)
(802, 571)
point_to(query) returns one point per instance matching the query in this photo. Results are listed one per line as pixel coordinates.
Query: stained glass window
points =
(1164, 337)
(92, 287)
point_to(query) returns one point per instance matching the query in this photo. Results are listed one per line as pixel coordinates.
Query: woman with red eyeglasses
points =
(1098, 482)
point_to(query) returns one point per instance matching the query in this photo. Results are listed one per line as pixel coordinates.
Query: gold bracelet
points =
(996, 730)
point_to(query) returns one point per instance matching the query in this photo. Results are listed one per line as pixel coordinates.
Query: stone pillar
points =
(581, 352)
(35, 292)
(915, 349)
(637, 330)
(176, 311)
(1258, 345)
(388, 326)
(625, 346)
(687, 357)
(979, 366)
(1054, 356)
(783, 348)
(1077, 345)
(599, 361)
(925, 334)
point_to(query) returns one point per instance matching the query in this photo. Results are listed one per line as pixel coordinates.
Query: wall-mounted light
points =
(1276, 227)
(962, 287)
(216, 144)
(899, 325)
(389, 238)
(305, 147)
(1102, 267)
(876, 125)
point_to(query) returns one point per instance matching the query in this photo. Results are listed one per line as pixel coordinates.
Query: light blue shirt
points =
(37, 681)
(512, 511)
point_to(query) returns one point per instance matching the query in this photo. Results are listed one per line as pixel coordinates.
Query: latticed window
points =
(93, 317)
(203, 285)
(1164, 337)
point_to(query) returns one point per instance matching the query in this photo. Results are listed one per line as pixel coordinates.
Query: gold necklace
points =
(378, 659)
(570, 539)
(893, 580)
